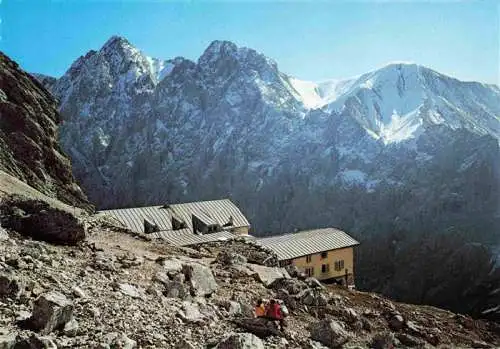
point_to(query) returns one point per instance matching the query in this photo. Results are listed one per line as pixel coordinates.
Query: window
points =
(324, 255)
(339, 265)
(310, 271)
(325, 268)
(308, 259)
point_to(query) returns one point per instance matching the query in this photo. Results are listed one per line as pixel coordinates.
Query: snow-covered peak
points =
(115, 42)
(225, 51)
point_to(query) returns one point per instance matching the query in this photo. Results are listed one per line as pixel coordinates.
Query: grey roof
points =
(308, 242)
(218, 211)
(184, 237)
(215, 211)
(133, 218)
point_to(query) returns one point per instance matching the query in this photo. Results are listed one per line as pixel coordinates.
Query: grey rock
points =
(78, 292)
(200, 279)
(71, 328)
(330, 333)
(268, 275)
(190, 312)
(314, 283)
(410, 341)
(383, 340)
(130, 290)
(174, 289)
(232, 307)
(171, 265)
(292, 286)
(3, 234)
(7, 341)
(162, 278)
(241, 341)
(51, 311)
(22, 315)
(39, 220)
(312, 297)
(396, 322)
(10, 285)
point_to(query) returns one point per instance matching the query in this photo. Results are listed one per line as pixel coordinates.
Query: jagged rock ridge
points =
(231, 124)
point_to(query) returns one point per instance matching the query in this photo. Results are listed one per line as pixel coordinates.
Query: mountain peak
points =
(217, 49)
(115, 41)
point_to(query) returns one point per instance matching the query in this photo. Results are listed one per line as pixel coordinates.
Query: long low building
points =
(186, 223)
(326, 254)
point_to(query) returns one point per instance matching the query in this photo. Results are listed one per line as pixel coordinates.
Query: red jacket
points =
(274, 311)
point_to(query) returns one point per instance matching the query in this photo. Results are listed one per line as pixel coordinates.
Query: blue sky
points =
(313, 40)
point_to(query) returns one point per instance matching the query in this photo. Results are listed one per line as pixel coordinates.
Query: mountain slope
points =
(28, 136)
(293, 154)
(394, 103)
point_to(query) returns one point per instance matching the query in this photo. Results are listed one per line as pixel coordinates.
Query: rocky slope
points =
(116, 290)
(400, 146)
(29, 147)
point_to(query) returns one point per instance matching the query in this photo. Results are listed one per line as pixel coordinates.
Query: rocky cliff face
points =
(402, 146)
(29, 144)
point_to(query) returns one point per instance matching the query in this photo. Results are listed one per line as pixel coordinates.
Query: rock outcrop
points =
(29, 148)
(39, 220)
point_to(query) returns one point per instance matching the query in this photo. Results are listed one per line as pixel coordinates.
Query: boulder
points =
(268, 275)
(174, 289)
(383, 341)
(78, 292)
(39, 220)
(241, 341)
(162, 278)
(314, 283)
(200, 279)
(396, 322)
(190, 312)
(10, 285)
(171, 265)
(51, 311)
(330, 333)
(7, 341)
(258, 326)
(130, 290)
(232, 307)
(71, 328)
(292, 286)
(312, 298)
(3, 236)
(410, 341)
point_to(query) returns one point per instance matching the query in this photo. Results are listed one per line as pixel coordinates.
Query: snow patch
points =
(307, 93)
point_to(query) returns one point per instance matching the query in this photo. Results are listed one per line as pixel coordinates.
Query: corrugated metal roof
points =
(218, 210)
(215, 211)
(133, 218)
(308, 242)
(185, 237)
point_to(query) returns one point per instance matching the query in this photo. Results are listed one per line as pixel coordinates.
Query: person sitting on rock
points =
(260, 310)
(273, 312)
